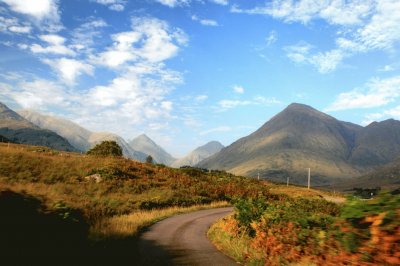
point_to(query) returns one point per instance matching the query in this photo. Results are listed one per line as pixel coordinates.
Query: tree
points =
(149, 159)
(106, 148)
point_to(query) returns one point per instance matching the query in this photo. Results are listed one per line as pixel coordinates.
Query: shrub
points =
(106, 148)
(149, 159)
(249, 210)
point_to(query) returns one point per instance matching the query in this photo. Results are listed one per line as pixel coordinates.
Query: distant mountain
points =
(386, 177)
(145, 145)
(377, 144)
(127, 151)
(78, 136)
(75, 134)
(300, 137)
(4, 139)
(199, 154)
(17, 129)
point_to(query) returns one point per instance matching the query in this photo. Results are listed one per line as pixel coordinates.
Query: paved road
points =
(182, 240)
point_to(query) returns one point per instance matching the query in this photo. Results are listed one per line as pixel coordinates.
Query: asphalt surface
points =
(182, 240)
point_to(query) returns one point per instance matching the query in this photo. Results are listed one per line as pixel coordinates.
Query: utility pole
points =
(287, 182)
(309, 177)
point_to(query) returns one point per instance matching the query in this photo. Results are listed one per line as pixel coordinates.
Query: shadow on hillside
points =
(30, 235)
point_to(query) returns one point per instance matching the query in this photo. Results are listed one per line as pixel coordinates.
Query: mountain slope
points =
(75, 134)
(17, 129)
(295, 139)
(78, 136)
(387, 177)
(377, 144)
(199, 154)
(127, 151)
(145, 145)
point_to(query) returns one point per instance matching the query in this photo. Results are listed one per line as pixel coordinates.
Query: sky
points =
(186, 72)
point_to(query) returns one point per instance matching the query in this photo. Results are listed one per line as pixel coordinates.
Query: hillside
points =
(75, 134)
(300, 137)
(17, 129)
(81, 138)
(127, 151)
(377, 144)
(146, 145)
(199, 154)
(385, 177)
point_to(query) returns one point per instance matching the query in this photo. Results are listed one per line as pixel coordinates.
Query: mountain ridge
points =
(297, 138)
(17, 129)
(146, 145)
(199, 154)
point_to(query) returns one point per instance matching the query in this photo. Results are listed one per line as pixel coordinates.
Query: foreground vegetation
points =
(61, 207)
(101, 203)
(312, 231)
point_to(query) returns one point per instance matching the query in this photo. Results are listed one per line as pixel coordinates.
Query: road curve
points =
(182, 240)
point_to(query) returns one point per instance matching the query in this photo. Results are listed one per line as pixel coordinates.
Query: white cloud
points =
(138, 95)
(12, 25)
(115, 5)
(378, 92)
(173, 3)
(328, 61)
(220, 2)
(228, 104)
(238, 89)
(83, 37)
(208, 22)
(271, 38)
(369, 25)
(334, 11)
(216, 129)
(324, 62)
(150, 40)
(55, 45)
(201, 98)
(20, 29)
(38, 9)
(265, 100)
(387, 68)
(205, 22)
(39, 94)
(258, 100)
(69, 69)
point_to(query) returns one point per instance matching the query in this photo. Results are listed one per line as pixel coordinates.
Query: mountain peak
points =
(146, 145)
(199, 154)
(8, 114)
(211, 146)
(302, 108)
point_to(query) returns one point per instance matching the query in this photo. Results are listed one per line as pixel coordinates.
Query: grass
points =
(131, 194)
(223, 240)
(129, 225)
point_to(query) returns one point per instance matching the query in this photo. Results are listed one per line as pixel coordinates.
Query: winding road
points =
(182, 240)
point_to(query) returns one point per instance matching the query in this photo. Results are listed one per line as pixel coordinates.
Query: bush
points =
(249, 210)
(106, 148)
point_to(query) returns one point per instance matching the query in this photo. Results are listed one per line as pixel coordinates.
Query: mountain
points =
(17, 129)
(145, 145)
(4, 139)
(78, 136)
(377, 144)
(127, 151)
(75, 134)
(199, 154)
(297, 138)
(387, 177)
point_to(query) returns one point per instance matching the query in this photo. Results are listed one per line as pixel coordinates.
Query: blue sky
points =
(189, 71)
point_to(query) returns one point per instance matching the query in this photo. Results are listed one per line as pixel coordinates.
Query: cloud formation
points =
(369, 25)
(377, 92)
